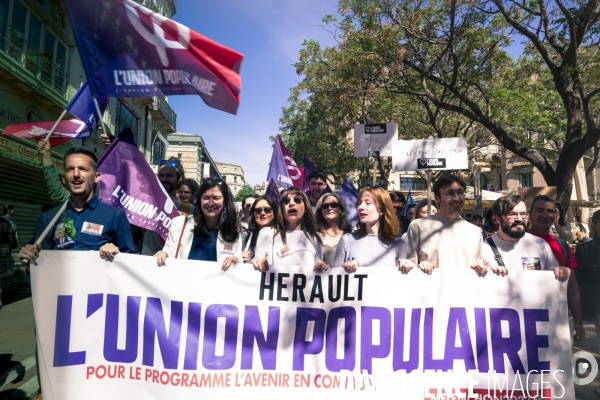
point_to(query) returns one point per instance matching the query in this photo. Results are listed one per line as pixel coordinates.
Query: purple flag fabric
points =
(283, 169)
(129, 183)
(273, 192)
(128, 50)
(349, 195)
(309, 167)
(82, 106)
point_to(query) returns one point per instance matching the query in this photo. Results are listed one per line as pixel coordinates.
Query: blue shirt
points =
(204, 249)
(94, 226)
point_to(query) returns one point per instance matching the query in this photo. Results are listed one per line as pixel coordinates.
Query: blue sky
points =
(270, 34)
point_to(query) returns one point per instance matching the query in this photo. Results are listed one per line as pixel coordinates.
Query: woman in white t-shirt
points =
(294, 241)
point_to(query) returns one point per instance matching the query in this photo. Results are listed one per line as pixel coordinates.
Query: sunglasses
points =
(333, 204)
(172, 163)
(287, 200)
(267, 210)
(398, 209)
(216, 181)
(248, 205)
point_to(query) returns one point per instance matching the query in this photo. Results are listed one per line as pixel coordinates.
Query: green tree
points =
(452, 58)
(245, 190)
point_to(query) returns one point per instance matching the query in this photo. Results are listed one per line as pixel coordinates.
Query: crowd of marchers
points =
(311, 228)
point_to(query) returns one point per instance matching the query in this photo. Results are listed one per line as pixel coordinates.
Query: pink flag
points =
(65, 131)
(283, 169)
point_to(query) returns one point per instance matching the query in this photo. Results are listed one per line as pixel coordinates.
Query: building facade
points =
(195, 158)
(40, 71)
(233, 175)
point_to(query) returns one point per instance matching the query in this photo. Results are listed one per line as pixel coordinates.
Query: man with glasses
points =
(542, 214)
(445, 239)
(512, 248)
(588, 277)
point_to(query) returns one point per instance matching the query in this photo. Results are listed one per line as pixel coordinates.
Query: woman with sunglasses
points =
(376, 242)
(294, 240)
(211, 233)
(262, 215)
(331, 223)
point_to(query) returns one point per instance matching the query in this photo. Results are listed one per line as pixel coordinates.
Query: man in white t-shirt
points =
(515, 248)
(445, 239)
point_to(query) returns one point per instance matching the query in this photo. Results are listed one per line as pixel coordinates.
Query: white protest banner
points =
(434, 154)
(373, 140)
(128, 329)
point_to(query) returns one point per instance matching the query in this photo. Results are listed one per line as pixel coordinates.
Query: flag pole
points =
(55, 125)
(99, 115)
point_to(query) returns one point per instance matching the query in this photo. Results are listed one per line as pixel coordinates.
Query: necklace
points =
(329, 234)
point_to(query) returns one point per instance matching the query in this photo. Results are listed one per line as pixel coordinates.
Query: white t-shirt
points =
(529, 252)
(298, 249)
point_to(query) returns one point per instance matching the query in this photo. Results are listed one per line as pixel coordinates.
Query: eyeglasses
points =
(172, 163)
(184, 192)
(248, 205)
(399, 208)
(333, 204)
(513, 216)
(287, 200)
(267, 210)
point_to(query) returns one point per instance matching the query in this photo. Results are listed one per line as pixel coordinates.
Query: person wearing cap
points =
(588, 278)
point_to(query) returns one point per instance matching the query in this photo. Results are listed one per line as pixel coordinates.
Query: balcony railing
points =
(52, 75)
(165, 110)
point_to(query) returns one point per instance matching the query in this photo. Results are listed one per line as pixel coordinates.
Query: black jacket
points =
(588, 276)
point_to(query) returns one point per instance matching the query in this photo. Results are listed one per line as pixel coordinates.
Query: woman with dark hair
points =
(559, 229)
(377, 240)
(187, 190)
(262, 215)
(211, 233)
(331, 223)
(294, 240)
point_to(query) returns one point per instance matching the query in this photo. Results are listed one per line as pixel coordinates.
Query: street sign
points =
(430, 154)
(371, 139)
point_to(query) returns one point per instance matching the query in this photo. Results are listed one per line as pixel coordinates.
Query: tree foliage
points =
(245, 190)
(444, 67)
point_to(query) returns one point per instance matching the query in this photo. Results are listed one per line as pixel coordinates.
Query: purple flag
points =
(128, 50)
(283, 169)
(309, 167)
(82, 106)
(273, 192)
(349, 194)
(129, 183)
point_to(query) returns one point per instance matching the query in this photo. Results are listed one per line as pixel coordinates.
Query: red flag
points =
(65, 131)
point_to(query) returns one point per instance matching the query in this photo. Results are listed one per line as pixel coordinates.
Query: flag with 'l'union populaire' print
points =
(128, 50)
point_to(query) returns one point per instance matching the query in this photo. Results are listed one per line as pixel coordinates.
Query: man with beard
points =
(517, 249)
(543, 213)
(317, 185)
(170, 174)
(445, 239)
(86, 223)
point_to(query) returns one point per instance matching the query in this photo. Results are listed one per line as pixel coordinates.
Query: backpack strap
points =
(497, 255)
(564, 246)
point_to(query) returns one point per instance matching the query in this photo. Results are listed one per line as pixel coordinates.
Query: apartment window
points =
(25, 39)
(127, 119)
(224, 169)
(411, 184)
(235, 179)
(526, 180)
(158, 150)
